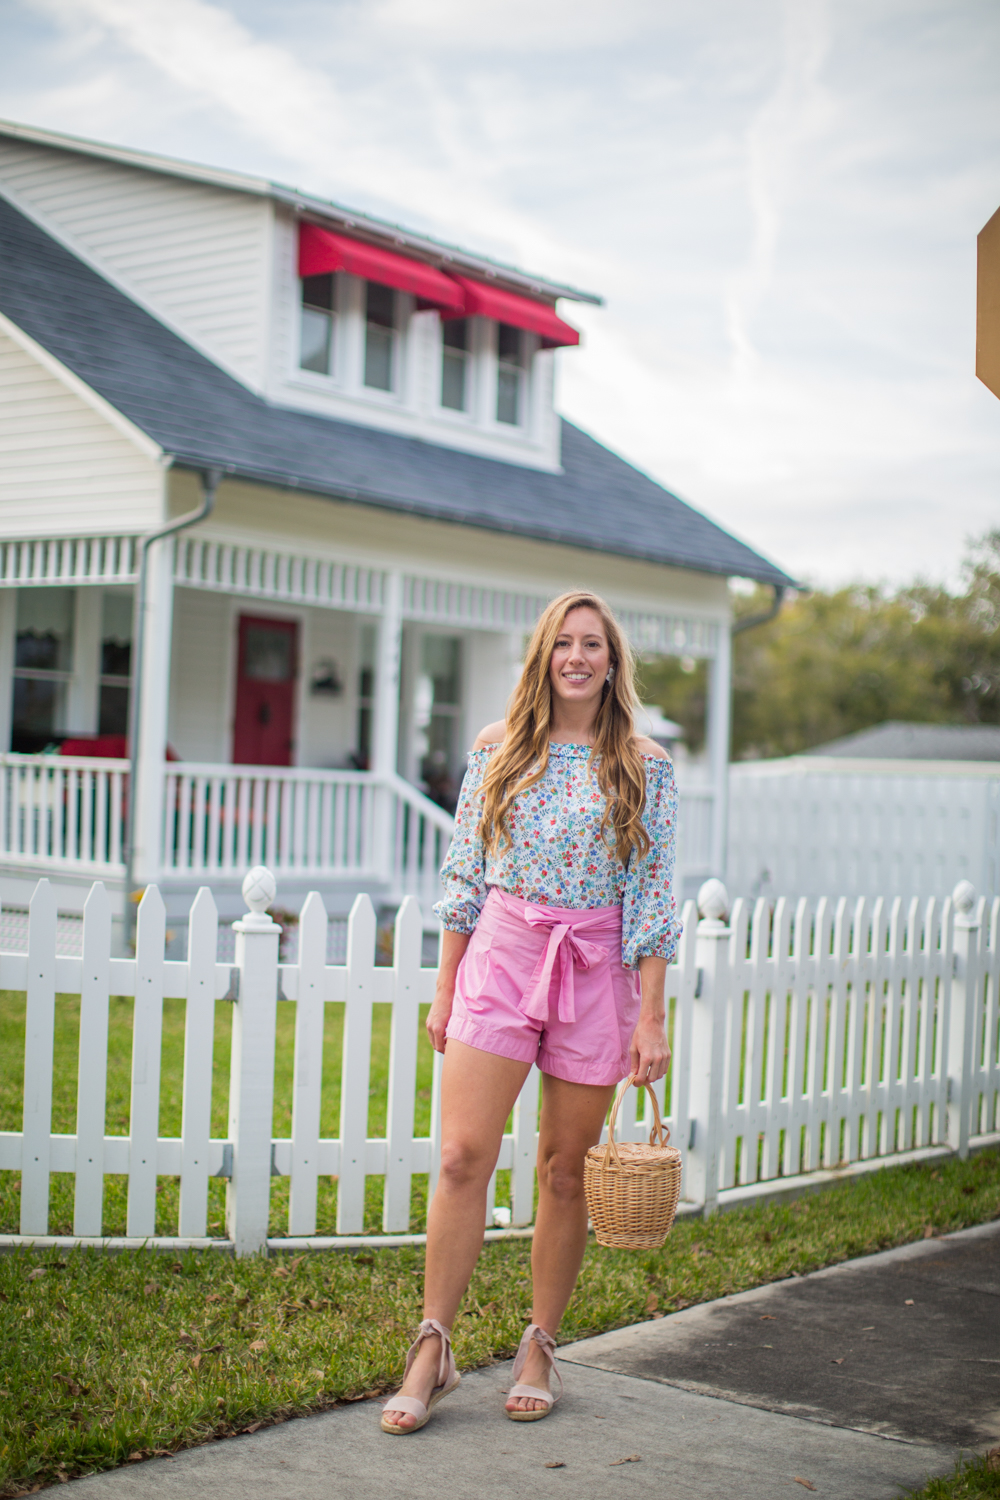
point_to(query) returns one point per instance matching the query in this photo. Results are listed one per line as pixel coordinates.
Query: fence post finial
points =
(251, 1073)
(964, 897)
(259, 891)
(713, 902)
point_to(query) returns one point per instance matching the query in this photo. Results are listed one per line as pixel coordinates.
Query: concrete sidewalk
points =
(856, 1382)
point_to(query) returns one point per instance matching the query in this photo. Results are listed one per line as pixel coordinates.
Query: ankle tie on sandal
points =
(446, 1364)
(535, 1335)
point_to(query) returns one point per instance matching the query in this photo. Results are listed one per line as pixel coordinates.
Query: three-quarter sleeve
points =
(649, 911)
(463, 873)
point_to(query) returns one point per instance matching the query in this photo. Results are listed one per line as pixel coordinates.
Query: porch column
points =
(385, 741)
(8, 632)
(153, 711)
(717, 736)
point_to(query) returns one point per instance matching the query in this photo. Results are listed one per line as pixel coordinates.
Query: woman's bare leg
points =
(571, 1121)
(478, 1090)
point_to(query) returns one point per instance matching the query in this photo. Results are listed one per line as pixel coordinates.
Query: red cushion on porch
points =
(101, 746)
(519, 312)
(322, 251)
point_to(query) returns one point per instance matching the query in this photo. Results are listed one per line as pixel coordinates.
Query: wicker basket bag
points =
(633, 1189)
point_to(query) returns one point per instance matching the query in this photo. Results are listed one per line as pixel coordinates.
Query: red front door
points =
(265, 691)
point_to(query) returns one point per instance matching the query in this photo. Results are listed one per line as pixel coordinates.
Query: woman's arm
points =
(453, 946)
(649, 1054)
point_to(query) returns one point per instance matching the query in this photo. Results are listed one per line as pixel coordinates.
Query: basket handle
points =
(658, 1136)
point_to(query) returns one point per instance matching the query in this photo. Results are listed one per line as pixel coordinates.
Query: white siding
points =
(327, 726)
(64, 467)
(201, 674)
(197, 256)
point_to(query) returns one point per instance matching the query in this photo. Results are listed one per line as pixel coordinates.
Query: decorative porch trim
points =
(44, 561)
(451, 603)
(670, 635)
(295, 578)
(265, 573)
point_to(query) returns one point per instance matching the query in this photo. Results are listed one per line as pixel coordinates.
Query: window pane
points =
(37, 713)
(315, 341)
(317, 291)
(113, 710)
(455, 333)
(440, 661)
(453, 380)
(116, 635)
(380, 304)
(267, 654)
(508, 344)
(45, 629)
(378, 357)
(508, 390)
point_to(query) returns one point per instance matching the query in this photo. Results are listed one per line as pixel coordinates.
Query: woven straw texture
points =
(633, 1189)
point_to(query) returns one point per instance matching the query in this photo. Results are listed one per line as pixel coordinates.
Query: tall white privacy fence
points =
(804, 1037)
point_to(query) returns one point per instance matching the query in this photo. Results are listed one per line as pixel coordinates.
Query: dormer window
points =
(455, 364)
(510, 374)
(380, 333)
(316, 325)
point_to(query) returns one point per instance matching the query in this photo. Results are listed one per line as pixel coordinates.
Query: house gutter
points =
(210, 479)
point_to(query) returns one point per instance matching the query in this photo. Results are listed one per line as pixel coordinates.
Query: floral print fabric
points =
(558, 857)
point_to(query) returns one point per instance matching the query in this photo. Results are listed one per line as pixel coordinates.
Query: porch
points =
(316, 711)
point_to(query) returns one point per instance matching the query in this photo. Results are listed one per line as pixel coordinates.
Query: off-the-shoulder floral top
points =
(558, 857)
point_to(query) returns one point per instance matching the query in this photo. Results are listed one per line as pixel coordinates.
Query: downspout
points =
(780, 590)
(210, 482)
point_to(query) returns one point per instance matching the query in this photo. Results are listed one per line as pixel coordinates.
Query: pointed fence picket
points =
(92, 1074)
(804, 1037)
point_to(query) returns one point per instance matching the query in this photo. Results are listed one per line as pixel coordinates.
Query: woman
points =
(559, 922)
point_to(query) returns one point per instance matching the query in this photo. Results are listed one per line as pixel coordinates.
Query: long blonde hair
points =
(523, 757)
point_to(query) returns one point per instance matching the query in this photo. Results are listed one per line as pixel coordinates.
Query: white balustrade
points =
(65, 812)
(219, 819)
(806, 1041)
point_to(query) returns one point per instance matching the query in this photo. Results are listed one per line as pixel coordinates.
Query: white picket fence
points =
(805, 1040)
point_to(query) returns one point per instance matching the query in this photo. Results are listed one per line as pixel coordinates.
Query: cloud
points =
(776, 138)
(778, 198)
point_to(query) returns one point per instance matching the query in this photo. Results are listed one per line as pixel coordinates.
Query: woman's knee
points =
(464, 1163)
(560, 1174)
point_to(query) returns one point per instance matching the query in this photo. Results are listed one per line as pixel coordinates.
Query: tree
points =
(835, 662)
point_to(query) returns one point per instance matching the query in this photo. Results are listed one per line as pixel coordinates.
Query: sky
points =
(777, 199)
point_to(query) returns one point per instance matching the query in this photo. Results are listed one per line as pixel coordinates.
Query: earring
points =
(611, 675)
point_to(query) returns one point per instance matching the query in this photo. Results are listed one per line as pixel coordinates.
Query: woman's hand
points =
(649, 1054)
(440, 1014)
(453, 946)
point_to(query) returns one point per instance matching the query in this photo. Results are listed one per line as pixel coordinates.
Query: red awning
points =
(519, 312)
(321, 251)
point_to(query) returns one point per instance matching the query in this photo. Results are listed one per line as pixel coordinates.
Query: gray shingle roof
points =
(200, 415)
(896, 740)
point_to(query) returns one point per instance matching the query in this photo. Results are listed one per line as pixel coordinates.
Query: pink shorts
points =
(546, 984)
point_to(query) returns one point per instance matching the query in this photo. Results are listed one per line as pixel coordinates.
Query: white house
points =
(395, 497)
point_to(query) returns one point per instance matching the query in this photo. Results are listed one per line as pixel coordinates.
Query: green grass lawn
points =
(112, 1358)
(975, 1479)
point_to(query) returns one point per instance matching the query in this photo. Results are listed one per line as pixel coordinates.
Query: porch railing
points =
(344, 825)
(66, 812)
